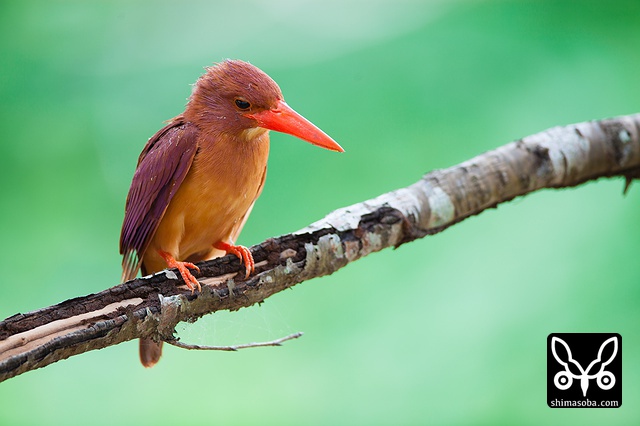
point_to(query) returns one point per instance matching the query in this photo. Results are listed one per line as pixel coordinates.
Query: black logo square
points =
(584, 370)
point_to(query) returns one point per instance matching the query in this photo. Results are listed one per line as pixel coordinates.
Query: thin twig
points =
(277, 342)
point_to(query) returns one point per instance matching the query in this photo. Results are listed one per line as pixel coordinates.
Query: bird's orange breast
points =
(213, 201)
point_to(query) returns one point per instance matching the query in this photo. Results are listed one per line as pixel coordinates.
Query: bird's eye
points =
(242, 104)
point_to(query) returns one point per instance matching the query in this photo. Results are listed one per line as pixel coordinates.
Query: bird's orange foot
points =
(243, 254)
(188, 278)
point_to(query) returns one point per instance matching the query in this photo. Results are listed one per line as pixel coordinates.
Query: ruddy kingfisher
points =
(198, 177)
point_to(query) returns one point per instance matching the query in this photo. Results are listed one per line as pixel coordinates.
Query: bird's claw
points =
(188, 277)
(183, 267)
(242, 252)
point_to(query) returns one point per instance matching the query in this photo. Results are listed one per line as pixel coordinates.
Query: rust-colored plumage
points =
(198, 177)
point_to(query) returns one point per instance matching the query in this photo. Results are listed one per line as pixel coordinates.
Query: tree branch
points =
(152, 306)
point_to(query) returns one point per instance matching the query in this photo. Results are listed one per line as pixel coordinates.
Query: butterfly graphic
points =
(564, 379)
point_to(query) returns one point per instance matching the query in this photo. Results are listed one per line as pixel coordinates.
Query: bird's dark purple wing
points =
(162, 166)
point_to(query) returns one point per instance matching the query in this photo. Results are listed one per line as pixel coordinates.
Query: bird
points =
(198, 177)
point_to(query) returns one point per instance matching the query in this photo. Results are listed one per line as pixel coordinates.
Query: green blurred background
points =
(450, 329)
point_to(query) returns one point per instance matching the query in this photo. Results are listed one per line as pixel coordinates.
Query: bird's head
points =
(237, 98)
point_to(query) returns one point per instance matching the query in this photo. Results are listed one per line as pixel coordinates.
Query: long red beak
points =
(284, 119)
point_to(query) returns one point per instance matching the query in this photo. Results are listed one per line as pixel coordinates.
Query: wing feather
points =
(162, 167)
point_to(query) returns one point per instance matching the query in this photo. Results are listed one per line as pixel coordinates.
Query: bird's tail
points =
(150, 350)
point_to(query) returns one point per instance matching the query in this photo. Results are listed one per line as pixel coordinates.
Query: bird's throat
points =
(253, 133)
